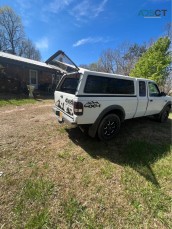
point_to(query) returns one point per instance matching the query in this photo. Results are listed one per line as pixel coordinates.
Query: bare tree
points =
(122, 59)
(11, 28)
(93, 66)
(12, 37)
(168, 85)
(134, 52)
(27, 49)
(3, 44)
(120, 56)
(107, 62)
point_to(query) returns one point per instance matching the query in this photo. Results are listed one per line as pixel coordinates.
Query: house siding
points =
(20, 72)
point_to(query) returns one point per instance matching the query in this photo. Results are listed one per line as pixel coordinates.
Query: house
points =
(18, 72)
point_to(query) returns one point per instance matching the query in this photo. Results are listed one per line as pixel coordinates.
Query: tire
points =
(164, 115)
(109, 127)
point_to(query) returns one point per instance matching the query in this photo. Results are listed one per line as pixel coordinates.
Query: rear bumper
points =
(62, 116)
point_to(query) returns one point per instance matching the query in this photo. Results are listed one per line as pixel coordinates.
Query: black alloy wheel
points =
(109, 127)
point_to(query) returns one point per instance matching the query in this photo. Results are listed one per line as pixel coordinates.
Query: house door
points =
(33, 78)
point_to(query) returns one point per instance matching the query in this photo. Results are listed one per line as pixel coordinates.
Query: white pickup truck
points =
(101, 101)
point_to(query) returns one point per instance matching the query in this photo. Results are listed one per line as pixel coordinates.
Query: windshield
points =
(69, 84)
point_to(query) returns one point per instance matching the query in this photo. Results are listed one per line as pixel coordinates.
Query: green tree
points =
(154, 63)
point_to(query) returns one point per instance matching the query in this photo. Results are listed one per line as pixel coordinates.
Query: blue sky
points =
(83, 29)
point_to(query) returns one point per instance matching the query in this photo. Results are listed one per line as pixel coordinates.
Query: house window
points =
(34, 78)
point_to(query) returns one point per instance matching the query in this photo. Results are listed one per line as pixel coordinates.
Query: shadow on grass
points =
(140, 143)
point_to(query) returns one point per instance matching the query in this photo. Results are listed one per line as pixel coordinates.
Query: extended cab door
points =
(155, 101)
(142, 98)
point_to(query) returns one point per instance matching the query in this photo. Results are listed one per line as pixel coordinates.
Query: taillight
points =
(78, 108)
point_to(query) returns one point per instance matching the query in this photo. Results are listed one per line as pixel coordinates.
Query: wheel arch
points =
(114, 109)
(168, 104)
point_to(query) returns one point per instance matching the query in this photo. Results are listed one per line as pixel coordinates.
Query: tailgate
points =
(65, 95)
(64, 103)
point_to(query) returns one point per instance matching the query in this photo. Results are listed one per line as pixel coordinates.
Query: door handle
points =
(150, 100)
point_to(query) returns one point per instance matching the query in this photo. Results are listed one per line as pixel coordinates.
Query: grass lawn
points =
(54, 176)
(16, 102)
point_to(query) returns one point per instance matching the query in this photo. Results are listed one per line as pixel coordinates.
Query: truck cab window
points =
(142, 88)
(153, 90)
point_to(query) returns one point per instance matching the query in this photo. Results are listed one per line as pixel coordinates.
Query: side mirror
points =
(162, 93)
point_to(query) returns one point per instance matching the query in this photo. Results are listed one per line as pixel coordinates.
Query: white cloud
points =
(91, 40)
(43, 43)
(100, 8)
(83, 41)
(86, 9)
(57, 5)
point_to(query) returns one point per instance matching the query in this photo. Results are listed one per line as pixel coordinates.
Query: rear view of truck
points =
(67, 108)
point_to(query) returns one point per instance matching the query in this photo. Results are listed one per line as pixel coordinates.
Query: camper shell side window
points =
(108, 85)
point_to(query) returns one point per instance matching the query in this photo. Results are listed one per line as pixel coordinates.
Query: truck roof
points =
(83, 70)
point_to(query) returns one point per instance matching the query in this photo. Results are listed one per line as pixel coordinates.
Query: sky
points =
(84, 29)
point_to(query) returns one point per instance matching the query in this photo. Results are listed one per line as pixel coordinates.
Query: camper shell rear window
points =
(69, 83)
